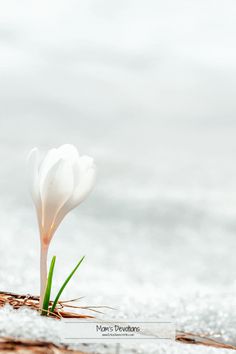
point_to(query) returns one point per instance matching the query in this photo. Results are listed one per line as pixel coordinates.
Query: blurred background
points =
(148, 89)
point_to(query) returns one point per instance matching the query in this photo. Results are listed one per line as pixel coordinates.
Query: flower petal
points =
(51, 158)
(33, 174)
(68, 152)
(85, 175)
(84, 179)
(55, 191)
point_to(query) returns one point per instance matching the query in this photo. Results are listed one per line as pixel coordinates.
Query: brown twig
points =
(191, 338)
(31, 301)
(25, 346)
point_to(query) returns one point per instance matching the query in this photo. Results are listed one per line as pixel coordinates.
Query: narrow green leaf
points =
(64, 285)
(47, 294)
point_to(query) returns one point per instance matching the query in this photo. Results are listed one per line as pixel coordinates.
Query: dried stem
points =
(27, 346)
(17, 301)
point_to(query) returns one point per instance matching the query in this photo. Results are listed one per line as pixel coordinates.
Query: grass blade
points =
(47, 294)
(64, 284)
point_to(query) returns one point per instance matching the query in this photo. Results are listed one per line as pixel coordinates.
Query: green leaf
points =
(47, 294)
(64, 285)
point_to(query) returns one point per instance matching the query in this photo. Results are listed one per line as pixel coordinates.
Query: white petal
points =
(33, 174)
(51, 158)
(68, 152)
(55, 191)
(85, 175)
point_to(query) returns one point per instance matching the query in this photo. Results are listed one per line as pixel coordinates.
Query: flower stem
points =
(43, 271)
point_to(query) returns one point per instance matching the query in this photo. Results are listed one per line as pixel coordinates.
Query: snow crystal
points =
(28, 324)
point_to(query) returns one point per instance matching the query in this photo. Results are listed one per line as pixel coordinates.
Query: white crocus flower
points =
(58, 184)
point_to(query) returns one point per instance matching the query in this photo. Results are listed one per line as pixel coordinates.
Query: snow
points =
(28, 324)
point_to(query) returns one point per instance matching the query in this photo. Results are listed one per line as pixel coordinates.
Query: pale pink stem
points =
(43, 271)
